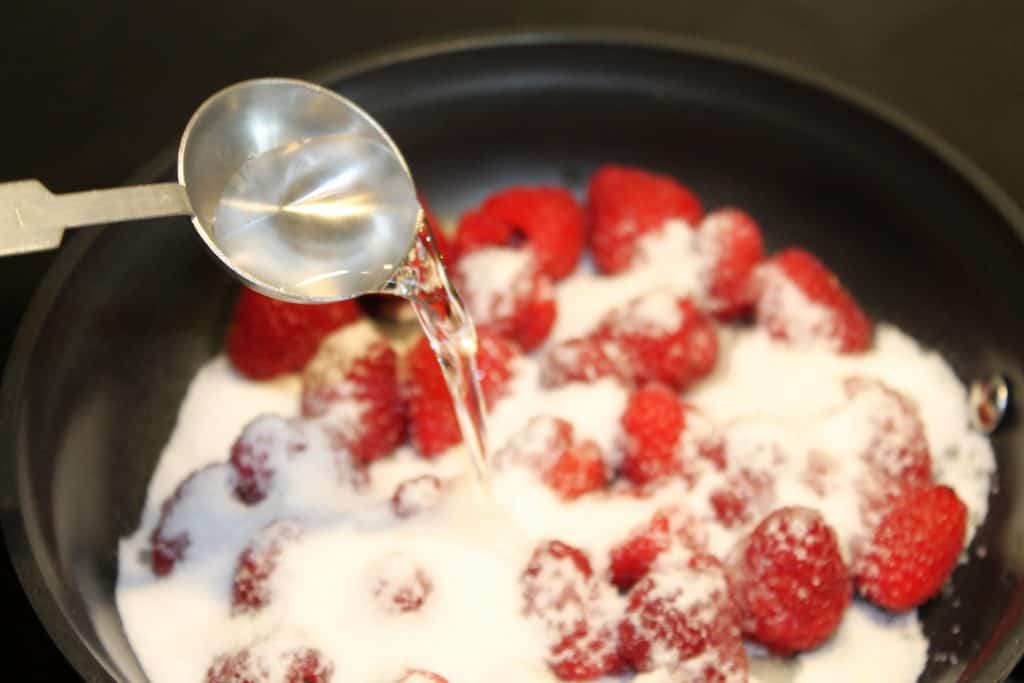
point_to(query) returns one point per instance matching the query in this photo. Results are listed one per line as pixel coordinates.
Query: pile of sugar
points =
(470, 628)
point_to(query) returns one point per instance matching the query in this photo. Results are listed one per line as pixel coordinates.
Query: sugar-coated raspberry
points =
(199, 495)
(416, 495)
(546, 220)
(351, 385)
(265, 445)
(585, 359)
(803, 302)
(894, 448)
(734, 240)
(560, 589)
(625, 203)
(662, 436)
(504, 289)
(630, 560)
(744, 494)
(684, 621)
(308, 665)
(914, 549)
(400, 584)
(433, 426)
(268, 337)
(579, 469)
(789, 579)
(664, 338)
(237, 667)
(251, 586)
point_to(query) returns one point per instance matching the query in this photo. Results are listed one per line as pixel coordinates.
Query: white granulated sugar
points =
(668, 260)
(493, 279)
(654, 313)
(781, 410)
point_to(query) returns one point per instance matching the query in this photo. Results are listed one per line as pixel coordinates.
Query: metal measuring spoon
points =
(295, 189)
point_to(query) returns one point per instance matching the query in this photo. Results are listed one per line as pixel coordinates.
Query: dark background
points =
(92, 91)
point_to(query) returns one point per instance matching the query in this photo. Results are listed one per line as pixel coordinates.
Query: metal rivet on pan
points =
(988, 401)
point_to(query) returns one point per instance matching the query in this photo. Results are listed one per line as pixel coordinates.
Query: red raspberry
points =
(416, 495)
(579, 469)
(743, 494)
(664, 436)
(420, 676)
(537, 444)
(268, 337)
(250, 591)
(896, 450)
(684, 621)
(237, 667)
(196, 497)
(626, 203)
(309, 665)
(267, 443)
(914, 549)
(402, 585)
(433, 426)
(665, 339)
(547, 219)
(504, 290)
(801, 300)
(735, 240)
(586, 359)
(790, 582)
(559, 588)
(352, 383)
(632, 559)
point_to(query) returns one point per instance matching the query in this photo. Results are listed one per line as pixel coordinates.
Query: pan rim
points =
(23, 552)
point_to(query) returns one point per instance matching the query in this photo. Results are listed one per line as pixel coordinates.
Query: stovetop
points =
(93, 91)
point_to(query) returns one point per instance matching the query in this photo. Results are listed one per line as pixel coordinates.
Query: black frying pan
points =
(129, 313)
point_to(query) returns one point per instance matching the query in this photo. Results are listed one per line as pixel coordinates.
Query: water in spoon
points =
(332, 217)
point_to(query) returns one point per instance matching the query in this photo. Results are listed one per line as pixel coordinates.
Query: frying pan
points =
(130, 312)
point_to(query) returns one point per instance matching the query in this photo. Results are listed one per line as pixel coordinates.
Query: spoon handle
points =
(33, 219)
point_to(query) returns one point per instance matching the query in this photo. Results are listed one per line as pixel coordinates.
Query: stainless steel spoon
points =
(295, 189)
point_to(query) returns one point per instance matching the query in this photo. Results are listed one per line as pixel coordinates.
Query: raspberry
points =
(664, 436)
(199, 496)
(559, 588)
(420, 676)
(433, 426)
(536, 445)
(400, 584)
(789, 580)
(308, 665)
(735, 240)
(237, 667)
(547, 219)
(914, 549)
(268, 337)
(684, 621)
(625, 203)
(895, 447)
(586, 359)
(251, 591)
(664, 338)
(416, 495)
(631, 559)
(802, 301)
(579, 469)
(744, 493)
(504, 290)
(267, 443)
(352, 385)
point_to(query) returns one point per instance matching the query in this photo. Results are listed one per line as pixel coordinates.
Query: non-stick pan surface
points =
(129, 313)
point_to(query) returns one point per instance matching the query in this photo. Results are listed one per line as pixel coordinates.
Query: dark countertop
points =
(93, 90)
